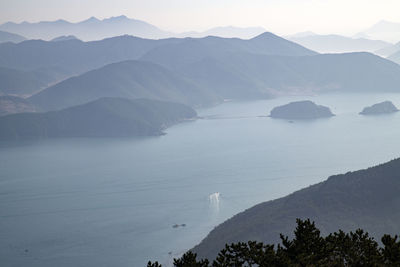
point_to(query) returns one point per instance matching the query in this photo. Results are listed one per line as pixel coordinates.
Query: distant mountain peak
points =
(64, 38)
(59, 22)
(91, 19)
(117, 18)
(302, 34)
(87, 30)
(265, 35)
(120, 17)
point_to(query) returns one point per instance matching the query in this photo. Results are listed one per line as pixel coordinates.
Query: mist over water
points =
(114, 202)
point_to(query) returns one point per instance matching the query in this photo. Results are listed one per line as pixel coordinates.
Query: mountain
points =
(388, 50)
(12, 104)
(301, 110)
(10, 37)
(248, 75)
(226, 32)
(338, 44)
(127, 79)
(210, 68)
(76, 56)
(64, 38)
(90, 29)
(23, 83)
(366, 199)
(105, 117)
(207, 77)
(229, 67)
(63, 59)
(73, 57)
(190, 50)
(383, 30)
(300, 34)
(395, 57)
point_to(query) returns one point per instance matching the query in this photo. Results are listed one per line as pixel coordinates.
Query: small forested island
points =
(105, 117)
(379, 108)
(301, 110)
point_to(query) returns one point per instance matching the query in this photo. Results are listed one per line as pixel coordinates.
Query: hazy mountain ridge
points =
(388, 50)
(395, 57)
(74, 57)
(383, 30)
(206, 78)
(200, 71)
(64, 38)
(255, 75)
(105, 117)
(90, 29)
(18, 82)
(365, 199)
(226, 32)
(195, 49)
(127, 79)
(339, 44)
(10, 37)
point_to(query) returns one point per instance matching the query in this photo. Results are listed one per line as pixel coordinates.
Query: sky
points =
(279, 16)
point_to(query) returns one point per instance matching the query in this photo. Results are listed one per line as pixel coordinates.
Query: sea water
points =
(122, 202)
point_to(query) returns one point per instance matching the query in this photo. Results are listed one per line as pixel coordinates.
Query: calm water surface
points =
(113, 202)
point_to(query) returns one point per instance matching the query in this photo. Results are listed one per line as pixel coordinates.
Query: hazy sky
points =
(280, 16)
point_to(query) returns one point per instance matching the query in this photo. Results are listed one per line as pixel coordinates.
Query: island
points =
(301, 110)
(105, 117)
(379, 108)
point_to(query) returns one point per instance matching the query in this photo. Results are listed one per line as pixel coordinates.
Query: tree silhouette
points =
(307, 248)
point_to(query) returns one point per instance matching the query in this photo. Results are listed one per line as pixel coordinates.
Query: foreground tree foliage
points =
(307, 248)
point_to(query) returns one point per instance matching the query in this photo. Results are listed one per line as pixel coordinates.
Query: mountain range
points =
(194, 71)
(366, 199)
(127, 79)
(25, 82)
(226, 32)
(10, 37)
(395, 57)
(63, 59)
(382, 30)
(90, 29)
(388, 50)
(197, 71)
(95, 29)
(72, 57)
(240, 75)
(338, 44)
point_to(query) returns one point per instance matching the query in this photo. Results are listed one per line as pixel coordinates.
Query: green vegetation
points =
(307, 248)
